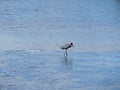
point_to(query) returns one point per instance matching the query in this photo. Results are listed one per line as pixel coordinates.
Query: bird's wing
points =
(65, 46)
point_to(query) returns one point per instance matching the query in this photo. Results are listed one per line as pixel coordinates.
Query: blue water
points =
(46, 24)
(31, 32)
(49, 70)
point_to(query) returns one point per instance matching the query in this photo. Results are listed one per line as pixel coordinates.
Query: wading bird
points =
(66, 46)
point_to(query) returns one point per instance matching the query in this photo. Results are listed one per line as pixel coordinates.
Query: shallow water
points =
(49, 70)
(46, 24)
(31, 32)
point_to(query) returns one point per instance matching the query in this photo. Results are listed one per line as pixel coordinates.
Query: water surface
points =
(49, 70)
(46, 24)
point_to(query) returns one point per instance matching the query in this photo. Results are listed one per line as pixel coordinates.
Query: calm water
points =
(92, 25)
(48, 70)
(46, 24)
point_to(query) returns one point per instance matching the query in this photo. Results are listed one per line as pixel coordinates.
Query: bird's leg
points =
(66, 52)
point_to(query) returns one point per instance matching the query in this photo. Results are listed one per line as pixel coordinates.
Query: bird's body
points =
(66, 46)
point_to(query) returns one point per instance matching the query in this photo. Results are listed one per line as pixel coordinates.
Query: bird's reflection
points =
(65, 57)
(67, 61)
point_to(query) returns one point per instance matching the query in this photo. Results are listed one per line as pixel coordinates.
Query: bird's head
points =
(71, 44)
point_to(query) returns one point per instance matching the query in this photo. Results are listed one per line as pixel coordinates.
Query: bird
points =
(66, 46)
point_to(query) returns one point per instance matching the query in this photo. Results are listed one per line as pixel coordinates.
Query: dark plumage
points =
(66, 46)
